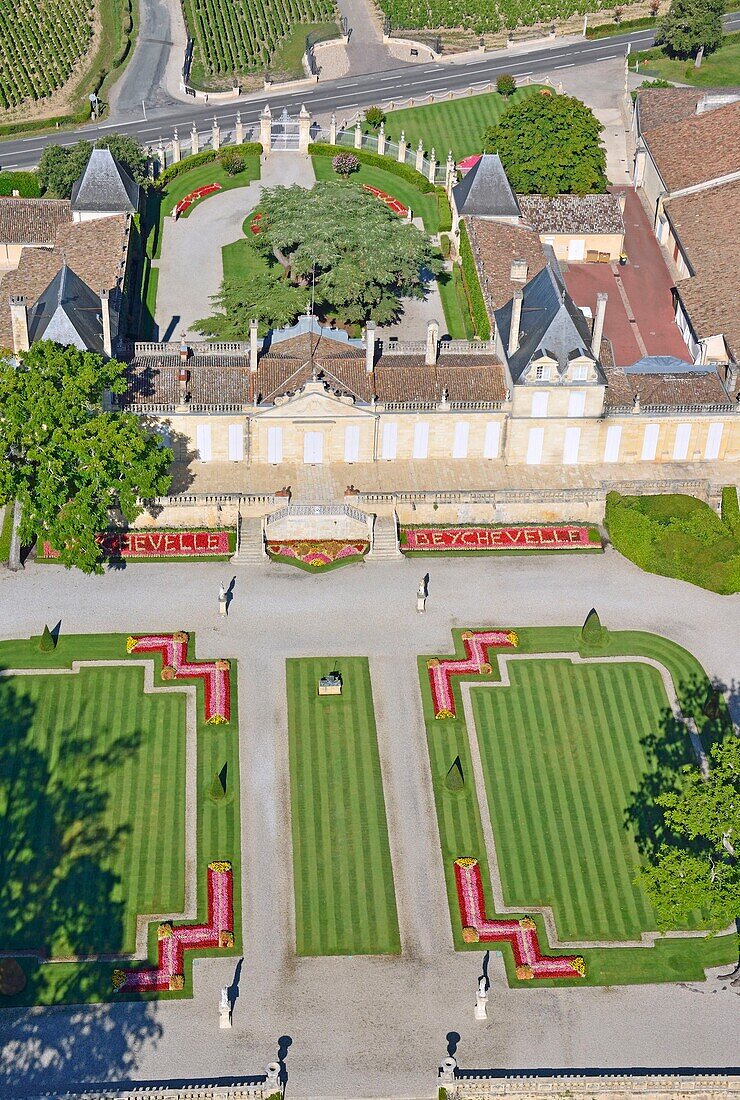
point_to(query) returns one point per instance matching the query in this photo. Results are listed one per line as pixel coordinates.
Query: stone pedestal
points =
(216, 135)
(381, 140)
(420, 156)
(266, 129)
(176, 150)
(272, 1084)
(447, 1071)
(194, 144)
(304, 129)
(222, 604)
(239, 134)
(358, 135)
(402, 148)
(421, 603)
(481, 1000)
(224, 1010)
(333, 130)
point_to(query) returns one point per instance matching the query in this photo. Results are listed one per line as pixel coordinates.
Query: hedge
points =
(26, 183)
(676, 536)
(445, 214)
(323, 149)
(472, 286)
(248, 149)
(731, 510)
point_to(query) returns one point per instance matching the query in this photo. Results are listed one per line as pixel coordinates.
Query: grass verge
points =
(718, 69)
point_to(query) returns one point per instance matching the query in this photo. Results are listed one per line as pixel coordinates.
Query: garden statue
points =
(224, 1009)
(421, 595)
(222, 599)
(481, 999)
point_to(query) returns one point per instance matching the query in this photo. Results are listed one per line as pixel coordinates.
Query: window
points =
(681, 442)
(274, 445)
(576, 404)
(492, 439)
(579, 372)
(650, 442)
(203, 442)
(534, 446)
(313, 447)
(613, 439)
(352, 443)
(571, 445)
(390, 438)
(236, 443)
(460, 442)
(421, 441)
(714, 438)
(542, 372)
(539, 404)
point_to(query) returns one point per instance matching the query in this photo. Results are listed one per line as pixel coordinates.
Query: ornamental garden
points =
(547, 748)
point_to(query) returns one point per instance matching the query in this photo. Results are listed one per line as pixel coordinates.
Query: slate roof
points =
(706, 225)
(498, 243)
(67, 311)
(572, 213)
(696, 149)
(32, 221)
(485, 192)
(551, 324)
(105, 186)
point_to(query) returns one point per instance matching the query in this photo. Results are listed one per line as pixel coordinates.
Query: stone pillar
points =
(432, 166)
(432, 341)
(161, 155)
(369, 346)
(304, 129)
(358, 135)
(333, 129)
(402, 148)
(449, 173)
(272, 1084)
(253, 345)
(598, 330)
(194, 143)
(266, 129)
(19, 323)
(176, 150)
(216, 134)
(447, 1071)
(239, 136)
(420, 156)
(381, 139)
(105, 314)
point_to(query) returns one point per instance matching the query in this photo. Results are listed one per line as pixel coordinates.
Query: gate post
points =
(304, 129)
(176, 151)
(420, 156)
(402, 148)
(266, 129)
(333, 129)
(239, 137)
(216, 135)
(194, 140)
(358, 135)
(381, 140)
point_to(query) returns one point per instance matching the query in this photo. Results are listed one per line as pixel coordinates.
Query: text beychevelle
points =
(497, 538)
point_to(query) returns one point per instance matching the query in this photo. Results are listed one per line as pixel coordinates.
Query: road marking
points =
(570, 65)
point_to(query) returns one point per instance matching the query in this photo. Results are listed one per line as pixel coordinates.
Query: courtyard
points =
(377, 1023)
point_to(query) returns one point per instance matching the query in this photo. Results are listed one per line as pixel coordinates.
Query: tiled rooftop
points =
(572, 213)
(496, 245)
(32, 221)
(697, 148)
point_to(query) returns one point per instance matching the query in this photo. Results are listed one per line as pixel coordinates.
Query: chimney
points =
(253, 348)
(432, 342)
(598, 330)
(105, 314)
(369, 346)
(183, 376)
(516, 320)
(184, 349)
(519, 271)
(19, 323)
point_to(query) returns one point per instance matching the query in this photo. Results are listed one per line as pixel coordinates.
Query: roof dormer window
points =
(579, 372)
(542, 372)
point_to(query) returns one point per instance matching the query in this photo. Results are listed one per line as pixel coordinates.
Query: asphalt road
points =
(347, 94)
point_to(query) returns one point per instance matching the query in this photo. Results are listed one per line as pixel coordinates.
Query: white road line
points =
(570, 65)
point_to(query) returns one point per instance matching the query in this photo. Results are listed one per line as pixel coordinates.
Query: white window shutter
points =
(352, 443)
(492, 440)
(421, 440)
(274, 445)
(714, 438)
(390, 439)
(681, 442)
(460, 442)
(613, 440)
(539, 404)
(576, 404)
(203, 442)
(650, 442)
(534, 446)
(236, 442)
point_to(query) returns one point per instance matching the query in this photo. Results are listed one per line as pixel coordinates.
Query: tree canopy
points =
(360, 258)
(69, 463)
(691, 25)
(61, 165)
(550, 145)
(699, 868)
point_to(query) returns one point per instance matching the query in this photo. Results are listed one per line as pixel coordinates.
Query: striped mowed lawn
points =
(562, 757)
(344, 895)
(95, 758)
(458, 124)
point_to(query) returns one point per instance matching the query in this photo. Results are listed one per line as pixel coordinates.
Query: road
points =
(348, 94)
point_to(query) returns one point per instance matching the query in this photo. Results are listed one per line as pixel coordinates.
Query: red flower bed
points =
(476, 643)
(159, 544)
(496, 538)
(256, 224)
(521, 934)
(318, 552)
(175, 665)
(187, 202)
(174, 940)
(392, 204)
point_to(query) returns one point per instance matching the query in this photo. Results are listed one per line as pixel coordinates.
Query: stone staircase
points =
(250, 545)
(385, 539)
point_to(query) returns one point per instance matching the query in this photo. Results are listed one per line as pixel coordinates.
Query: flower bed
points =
(173, 649)
(477, 643)
(255, 225)
(392, 204)
(436, 539)
(318, 553)
(521, 934)
(174, 940)
(158, 544)
(187, 202)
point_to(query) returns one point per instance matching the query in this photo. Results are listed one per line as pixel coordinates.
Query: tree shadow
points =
(668, 749)
(60, 894)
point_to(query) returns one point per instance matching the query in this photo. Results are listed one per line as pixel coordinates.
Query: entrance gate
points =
(285, 132)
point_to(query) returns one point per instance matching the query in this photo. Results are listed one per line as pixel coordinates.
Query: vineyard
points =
(240, 36)
(40, 44)
(486, 16)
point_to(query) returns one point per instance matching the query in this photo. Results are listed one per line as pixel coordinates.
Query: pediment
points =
(310, 404)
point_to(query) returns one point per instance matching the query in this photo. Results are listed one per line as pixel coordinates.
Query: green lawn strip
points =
(345, 899)
(564, 822)
(457, 124)
(459, 326)
(717, 69)
(241, 260)
(149, 868)
(6, 532)
(287, 61)
(423, 205)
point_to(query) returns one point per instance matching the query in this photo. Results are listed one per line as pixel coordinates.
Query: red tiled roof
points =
(698, 148)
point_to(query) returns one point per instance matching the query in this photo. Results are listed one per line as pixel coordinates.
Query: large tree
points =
(68, 464)
(269, 297)
(550, 145)
(698, 867)
(61, 165)
(358, 257)
(689, 26)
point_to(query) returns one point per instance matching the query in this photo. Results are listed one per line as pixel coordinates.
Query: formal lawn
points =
(717, 69)
(457, 124)
(573, 758)
(92, 811)
(424, 206)
(241, 260)
(344, 896)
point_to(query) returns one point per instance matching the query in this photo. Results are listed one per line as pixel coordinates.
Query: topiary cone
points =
(46, 642)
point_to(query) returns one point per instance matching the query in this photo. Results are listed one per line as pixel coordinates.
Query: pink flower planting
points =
(175, 665)
(174, 940)
(317, 552)
(476, 643)
(393, 204)
(520, 933)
